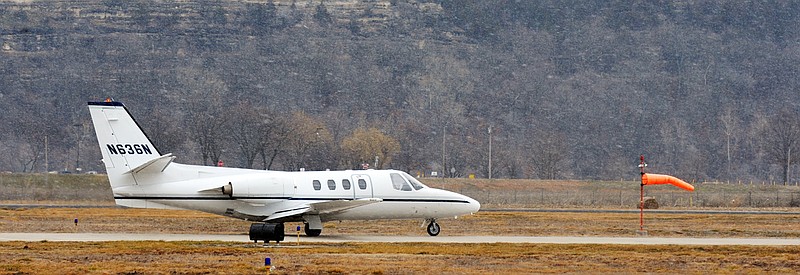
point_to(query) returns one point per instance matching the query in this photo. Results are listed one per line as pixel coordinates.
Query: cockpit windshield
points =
(414, 182)
(405, 182)
(399, 183)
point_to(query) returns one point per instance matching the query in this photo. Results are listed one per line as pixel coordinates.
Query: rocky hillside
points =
(705, 89)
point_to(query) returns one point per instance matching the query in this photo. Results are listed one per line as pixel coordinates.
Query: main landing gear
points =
(433, 228)
(312, 232)
(266, 232)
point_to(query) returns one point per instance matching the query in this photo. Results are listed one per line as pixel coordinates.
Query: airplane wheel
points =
(433, 228)
(312, 232)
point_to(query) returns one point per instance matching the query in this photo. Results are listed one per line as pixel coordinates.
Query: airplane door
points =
(362, 187)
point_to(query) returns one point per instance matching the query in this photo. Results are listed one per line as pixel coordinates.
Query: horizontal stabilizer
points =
(156, 165)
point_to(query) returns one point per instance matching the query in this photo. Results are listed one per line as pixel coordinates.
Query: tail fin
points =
(126, 149)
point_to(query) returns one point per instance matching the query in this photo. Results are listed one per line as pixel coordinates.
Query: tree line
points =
(705, 89)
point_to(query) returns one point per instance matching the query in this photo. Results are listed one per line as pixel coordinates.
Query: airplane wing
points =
(340, 205)
(325, 207)
(288, 213)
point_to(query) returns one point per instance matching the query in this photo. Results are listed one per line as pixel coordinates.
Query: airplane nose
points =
(474, 205)
(460, 208)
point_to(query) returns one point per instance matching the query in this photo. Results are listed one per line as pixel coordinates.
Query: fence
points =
(17, 193)
(629, 198)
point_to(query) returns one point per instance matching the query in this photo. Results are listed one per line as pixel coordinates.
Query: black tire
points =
(312, 232)
(434, 229)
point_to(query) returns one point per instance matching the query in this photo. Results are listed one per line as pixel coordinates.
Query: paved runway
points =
(81, 237)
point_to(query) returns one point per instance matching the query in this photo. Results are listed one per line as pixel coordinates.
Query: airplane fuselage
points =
(142, 177)
(262, 193)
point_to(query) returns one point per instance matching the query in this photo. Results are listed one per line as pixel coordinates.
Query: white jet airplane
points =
(142, 177)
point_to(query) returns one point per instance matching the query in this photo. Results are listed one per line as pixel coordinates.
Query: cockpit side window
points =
(414, 182)
(399, 183)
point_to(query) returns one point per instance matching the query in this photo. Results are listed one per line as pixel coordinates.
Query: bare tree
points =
(161, 126)
(35, 136)
(273, 140)
(548, 155)
(730, 127)
(782, 139)
(307, 143)
(28, 155)
(207, 113)
(370, 146)
(249, 126)
(207, 120)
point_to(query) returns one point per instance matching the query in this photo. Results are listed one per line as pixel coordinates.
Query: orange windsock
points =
(648, 179)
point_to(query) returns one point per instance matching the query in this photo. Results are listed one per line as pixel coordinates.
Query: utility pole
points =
(490, 152)
(78, 138)
(46, 164)
(444, 138)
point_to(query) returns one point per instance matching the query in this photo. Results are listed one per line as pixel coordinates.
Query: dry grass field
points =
(387, 258)
(482, 223)
(154, 257)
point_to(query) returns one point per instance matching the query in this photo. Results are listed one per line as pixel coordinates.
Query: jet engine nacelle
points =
(259, 187)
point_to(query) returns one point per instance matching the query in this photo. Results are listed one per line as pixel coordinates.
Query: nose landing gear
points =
(433, 228)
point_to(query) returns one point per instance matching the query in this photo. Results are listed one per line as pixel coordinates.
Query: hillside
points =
(706, 90)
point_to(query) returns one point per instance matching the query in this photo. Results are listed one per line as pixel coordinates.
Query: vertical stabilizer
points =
(122, 142)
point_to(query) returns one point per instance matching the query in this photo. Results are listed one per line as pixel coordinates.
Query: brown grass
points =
(158, 257)
(238, 258)
(482, 223)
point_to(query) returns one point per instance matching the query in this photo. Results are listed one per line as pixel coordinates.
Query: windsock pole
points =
(648, 179)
